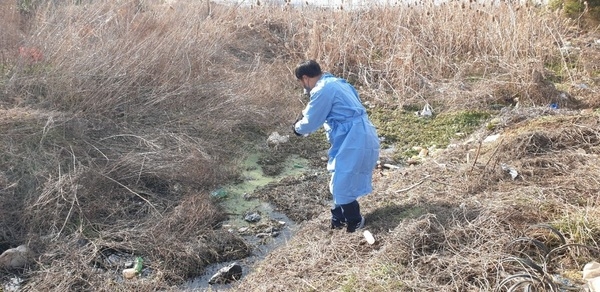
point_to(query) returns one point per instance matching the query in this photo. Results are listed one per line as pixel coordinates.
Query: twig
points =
(412, 186)
(309, 285)
(68, 215)
(141, 169)
(75, 200)
(146, 141)
(476, 157)
(493, 154)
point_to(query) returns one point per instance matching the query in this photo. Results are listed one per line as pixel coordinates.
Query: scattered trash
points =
(565, 283)
(139, 264)
(532, 270)
(427, 111)
(390, 166)
(267, 234)
(510, 170)
(591, 274)
(136, 270)
(252, 217)
(491, 138)
(129, 273)
(276, 139)
(369, 237)
(591, 270)
(227, 274)
(15, 258)
(554, 105)
(13, 285)
(219, 193)
(568, 48)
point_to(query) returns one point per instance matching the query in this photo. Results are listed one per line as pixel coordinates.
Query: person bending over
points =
(335, 105)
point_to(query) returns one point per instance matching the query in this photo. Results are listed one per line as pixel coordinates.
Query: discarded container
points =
(129, 273)
(139, 264)
(219, 193)
(136, 270)
(369, 237)
(391, 166)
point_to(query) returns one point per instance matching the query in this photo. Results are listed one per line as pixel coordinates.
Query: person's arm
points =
(315, 113)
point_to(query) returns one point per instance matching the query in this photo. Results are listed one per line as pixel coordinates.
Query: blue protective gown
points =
(335, 104)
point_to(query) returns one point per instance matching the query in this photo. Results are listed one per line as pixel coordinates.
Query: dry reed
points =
(118, 118)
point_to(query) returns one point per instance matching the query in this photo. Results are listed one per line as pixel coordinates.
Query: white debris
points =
(276, 139)
(591, 274)
(14, 258)
(427, 111)
(513, 172)
(369, 237)
(491, 138)
(390, 166)
(129, 273)
(591, 270)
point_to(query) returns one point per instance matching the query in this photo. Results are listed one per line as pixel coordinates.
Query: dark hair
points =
(309, 68)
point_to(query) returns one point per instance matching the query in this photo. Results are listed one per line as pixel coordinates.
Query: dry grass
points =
(119, 117)
(450, 223)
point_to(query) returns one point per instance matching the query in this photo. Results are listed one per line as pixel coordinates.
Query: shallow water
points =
(236, 204)
(253, 178)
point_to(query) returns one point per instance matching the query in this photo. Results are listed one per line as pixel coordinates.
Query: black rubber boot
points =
(354, 220)
(337, 218)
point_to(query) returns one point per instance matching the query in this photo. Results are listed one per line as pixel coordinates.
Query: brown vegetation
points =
(119, 117)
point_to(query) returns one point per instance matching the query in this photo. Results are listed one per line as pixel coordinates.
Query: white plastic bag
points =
(427, 111)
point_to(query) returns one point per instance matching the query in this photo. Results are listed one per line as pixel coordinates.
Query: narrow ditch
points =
(271, 231)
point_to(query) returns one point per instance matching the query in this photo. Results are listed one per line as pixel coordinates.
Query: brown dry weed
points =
(119, 117)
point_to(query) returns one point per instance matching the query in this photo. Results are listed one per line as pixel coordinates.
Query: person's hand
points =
(294, 125)
(294, 129)
(306, 93)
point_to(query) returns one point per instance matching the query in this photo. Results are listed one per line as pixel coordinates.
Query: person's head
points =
(308, 72)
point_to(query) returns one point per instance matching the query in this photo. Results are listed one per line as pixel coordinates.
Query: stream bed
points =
(234, 199)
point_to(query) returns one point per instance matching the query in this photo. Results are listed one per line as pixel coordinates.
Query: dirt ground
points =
(456, 221)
